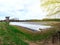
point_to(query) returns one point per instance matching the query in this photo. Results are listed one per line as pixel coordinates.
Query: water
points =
(31, 25)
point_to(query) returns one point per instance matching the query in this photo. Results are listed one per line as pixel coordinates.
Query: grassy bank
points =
(9, 37)
(15, 35)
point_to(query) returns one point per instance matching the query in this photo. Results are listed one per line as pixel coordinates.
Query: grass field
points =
(15, 35)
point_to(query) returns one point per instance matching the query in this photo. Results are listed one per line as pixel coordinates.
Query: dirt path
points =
(31, 43)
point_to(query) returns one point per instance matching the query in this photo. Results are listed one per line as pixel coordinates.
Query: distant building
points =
(14, 19)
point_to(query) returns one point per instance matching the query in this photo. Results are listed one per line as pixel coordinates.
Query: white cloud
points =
(22, 9)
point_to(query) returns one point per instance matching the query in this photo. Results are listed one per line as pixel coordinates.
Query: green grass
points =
(9, 36)
(15, 35)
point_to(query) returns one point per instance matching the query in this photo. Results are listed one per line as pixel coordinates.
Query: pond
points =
(31, 25)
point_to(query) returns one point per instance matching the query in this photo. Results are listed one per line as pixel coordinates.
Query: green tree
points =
(51, 6)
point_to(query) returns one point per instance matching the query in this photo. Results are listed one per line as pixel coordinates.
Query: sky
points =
(21, 9)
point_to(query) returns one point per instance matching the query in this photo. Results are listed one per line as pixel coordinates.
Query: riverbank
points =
(41, 38)
(16, 35)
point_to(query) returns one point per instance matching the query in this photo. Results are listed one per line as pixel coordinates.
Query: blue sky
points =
(22, 9)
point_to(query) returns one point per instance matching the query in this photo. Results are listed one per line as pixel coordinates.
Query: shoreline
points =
(25, 28)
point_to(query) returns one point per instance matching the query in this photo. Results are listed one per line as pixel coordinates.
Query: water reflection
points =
(30, 25)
